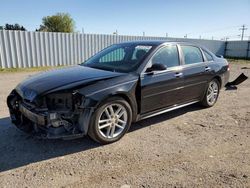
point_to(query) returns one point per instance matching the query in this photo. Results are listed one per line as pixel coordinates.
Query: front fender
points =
(95, 94)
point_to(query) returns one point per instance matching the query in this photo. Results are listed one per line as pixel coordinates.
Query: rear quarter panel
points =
(221, 69)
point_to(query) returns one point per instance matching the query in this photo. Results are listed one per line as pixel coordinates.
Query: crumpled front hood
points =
(51, 80)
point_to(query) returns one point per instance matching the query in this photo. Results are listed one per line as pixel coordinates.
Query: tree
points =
(14, 27)
(61, 22)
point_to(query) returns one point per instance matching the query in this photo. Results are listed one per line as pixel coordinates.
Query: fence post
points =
(225, 49)
(248, 49)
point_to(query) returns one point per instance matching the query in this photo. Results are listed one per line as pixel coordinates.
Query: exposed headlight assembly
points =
(59, 101)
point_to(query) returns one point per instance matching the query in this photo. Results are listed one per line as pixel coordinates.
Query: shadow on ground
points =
(18, 149)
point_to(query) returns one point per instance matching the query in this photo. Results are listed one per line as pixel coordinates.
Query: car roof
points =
(160, 42)
(157, 42)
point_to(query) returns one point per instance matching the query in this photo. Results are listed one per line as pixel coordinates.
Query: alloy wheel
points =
(212, 92)
(112, 121)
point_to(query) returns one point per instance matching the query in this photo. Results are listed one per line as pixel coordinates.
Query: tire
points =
(110, 121)
(212, 93)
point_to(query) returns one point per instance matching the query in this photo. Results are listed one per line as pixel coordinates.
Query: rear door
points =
(195, 72)
(161, 88)
(210, 64)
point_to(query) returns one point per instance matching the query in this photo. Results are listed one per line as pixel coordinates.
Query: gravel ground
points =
(188, 147)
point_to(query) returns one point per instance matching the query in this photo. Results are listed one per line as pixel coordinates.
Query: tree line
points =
(60, 22)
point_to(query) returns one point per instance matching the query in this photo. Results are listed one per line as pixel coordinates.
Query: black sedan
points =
(123, 83)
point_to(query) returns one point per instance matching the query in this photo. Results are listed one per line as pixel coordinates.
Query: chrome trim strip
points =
(193, 65)
(171, 69)
(168, 110)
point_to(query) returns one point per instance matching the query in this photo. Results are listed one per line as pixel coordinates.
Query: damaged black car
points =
(123, 83)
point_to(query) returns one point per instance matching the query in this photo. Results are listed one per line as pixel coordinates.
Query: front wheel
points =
(212, 93)
(110, 121)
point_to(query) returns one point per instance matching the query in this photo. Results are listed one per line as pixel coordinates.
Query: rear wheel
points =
(110, 121)
(212, 93)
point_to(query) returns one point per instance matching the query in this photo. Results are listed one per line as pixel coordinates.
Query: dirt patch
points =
(188, 147)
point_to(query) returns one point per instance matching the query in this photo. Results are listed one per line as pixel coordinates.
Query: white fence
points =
(20, 49)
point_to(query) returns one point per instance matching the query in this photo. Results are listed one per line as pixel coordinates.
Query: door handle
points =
(178, 74)
(207, 69)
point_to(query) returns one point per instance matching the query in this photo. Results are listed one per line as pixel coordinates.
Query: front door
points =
(161, 89)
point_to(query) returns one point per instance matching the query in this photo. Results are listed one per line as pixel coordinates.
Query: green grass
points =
(31, 69)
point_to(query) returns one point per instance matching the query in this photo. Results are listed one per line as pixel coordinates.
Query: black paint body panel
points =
(146, 93)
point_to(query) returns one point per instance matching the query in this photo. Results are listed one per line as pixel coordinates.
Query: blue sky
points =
(210, 18)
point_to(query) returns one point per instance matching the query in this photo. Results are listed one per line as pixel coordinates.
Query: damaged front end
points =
(55, 115)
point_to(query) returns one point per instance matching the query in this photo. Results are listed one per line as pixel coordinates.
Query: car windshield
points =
(119, 57)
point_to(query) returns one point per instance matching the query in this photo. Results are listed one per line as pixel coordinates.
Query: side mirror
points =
(219, 56)
(156, 67)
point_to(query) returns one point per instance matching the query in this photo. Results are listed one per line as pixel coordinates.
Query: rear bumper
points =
(225, 78)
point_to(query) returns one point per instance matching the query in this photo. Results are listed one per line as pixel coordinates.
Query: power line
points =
(243, 30)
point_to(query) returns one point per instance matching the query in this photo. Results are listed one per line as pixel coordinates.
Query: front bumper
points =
(34, 117)
(41, 126)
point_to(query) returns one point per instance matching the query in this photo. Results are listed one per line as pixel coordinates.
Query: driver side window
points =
(167, 55)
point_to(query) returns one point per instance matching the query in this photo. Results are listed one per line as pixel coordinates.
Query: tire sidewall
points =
(205, 97)
(93, 129)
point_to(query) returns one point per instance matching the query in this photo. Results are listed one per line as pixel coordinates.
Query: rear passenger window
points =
(208, 56)
(191, 54)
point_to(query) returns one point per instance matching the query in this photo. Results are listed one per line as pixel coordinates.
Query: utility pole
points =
(166, 35)
(143, 33)
(186, 36)
(243, 28)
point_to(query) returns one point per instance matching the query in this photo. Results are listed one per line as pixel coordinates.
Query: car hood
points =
(64, 78)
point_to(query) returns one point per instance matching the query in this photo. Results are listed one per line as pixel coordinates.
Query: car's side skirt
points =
(162, 111)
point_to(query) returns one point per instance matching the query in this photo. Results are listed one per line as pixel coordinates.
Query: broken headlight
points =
(64, 101)
(59, 101)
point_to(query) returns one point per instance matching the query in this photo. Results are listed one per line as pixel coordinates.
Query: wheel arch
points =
(129, 99)
(218, 78)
